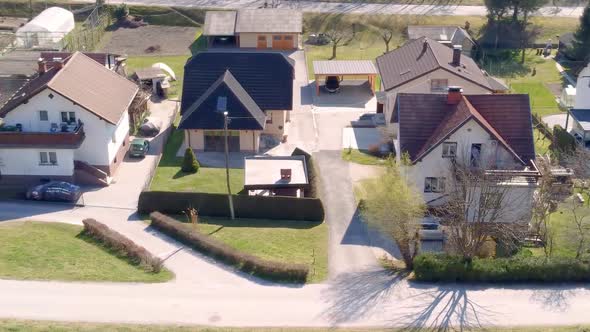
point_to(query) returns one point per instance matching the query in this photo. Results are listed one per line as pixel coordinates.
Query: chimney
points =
(457, 49)
(454, 95)
(42, 66)
(286, 174)
(425, 45)
(58, 63)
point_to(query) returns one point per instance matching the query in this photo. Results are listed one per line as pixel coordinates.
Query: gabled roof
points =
(448, 33)
(102, 58)
(421, 56)
(86, 83)
(266, 77)
(243, 112)
(269, 20)
(426, 120)
(219, 23)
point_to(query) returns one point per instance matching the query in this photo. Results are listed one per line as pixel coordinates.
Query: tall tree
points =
(393, 206)
(387, 27)
(339, 31)
(581, 43)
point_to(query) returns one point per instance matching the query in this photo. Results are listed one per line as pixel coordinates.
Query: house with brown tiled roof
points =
(424, 65)
(69, 122)
(493, 133)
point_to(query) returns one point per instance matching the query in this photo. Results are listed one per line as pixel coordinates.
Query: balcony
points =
(67, 140)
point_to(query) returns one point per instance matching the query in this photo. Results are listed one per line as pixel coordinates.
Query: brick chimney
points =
(42, 66)
(58, 63)
(454, 95)
(457, 49)
(286, 174)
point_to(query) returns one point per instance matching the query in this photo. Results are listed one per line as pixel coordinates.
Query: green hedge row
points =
(216, 205)
(219, 250)
(440, 267)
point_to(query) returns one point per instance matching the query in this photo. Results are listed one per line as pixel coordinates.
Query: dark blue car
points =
(55, 191)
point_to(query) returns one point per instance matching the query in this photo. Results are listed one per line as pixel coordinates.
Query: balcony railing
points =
(49, 139)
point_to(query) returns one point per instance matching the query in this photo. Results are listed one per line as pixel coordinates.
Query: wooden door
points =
(261, 42)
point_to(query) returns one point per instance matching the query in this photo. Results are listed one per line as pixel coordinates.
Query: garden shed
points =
(46, 30)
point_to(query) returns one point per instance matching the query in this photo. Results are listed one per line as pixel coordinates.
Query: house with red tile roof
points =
(493, 133)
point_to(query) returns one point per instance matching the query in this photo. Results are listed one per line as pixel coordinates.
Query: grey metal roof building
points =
(220, 23)
(344, 67)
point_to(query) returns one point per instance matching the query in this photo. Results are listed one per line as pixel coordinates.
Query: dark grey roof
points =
(497, 84)
(9, 86)
(266, 77)
(421, 56)
(582, 117)
(220, 23)
(243, 112)
(269, 20)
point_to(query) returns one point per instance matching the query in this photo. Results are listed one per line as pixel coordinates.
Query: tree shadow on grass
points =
(180, 174)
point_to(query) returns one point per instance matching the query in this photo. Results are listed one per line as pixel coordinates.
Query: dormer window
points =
(449, 150)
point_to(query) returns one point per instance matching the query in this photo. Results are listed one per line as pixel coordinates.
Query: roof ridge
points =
(60, 70)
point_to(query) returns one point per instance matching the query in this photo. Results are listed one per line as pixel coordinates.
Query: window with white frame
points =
(47, 158)
(434, 185)
(449, 149)
(43, 116)
(439, 84)
(68, 117)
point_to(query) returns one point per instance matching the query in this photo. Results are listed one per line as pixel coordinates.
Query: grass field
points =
(284, 241)
(169, 177)
(175, 62)
(48, 326)
(55, 251)
(542, 143)
(360, 157)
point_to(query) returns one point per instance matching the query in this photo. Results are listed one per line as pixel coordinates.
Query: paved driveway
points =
(133, 173)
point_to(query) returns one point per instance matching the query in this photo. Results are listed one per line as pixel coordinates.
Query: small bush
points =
(519, 268)
(122, 245)
(190, 163)
(221, 251)
(121, 12)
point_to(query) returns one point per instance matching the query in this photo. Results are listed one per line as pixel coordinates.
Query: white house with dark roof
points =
(70, 122)
(263, 28)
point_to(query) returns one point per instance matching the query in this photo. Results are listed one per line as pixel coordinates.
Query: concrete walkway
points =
(356, 7)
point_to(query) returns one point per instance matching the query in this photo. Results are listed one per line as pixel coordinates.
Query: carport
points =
(219, 28)
(349, 69)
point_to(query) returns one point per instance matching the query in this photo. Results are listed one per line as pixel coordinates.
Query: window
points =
(288, 37)
(276, 37)
(47, 158)
(475, 155)
(43, 116)
(434, 185)
(439, 85)
(262, 38)
(269, 118)
(449, 150)
(68, 117)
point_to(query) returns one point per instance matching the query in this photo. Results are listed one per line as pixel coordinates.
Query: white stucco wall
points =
(277, 127)
(27, 162)
(423, 85)
(97, 148)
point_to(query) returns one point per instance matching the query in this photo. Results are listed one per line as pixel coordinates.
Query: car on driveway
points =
(332, 84)
(139, 148)
(55, 191)
(430, 229)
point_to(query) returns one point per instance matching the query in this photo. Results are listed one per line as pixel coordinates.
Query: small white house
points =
(46, 30)
(69, 123)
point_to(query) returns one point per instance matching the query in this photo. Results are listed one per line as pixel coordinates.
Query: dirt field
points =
(161, 40)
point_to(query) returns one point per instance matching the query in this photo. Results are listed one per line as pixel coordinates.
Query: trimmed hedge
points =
(216, 205)
(122, 245)
(221, 251)
(312, 173)
(446, 268)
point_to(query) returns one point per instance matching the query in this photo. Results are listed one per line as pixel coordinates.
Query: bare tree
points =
(578, 161)
(339, 32)
(543, 205)
(387, 27)
(482, 205)
(580, 221)
(393, 206)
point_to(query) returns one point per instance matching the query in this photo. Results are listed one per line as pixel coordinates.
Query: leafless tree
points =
(578, 161)
(393, 206)
(339, 31)
(480, 206)
(387, 27)
(581, 224)
(543, 205)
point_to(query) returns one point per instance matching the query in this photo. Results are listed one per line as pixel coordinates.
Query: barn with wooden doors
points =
(263, 28)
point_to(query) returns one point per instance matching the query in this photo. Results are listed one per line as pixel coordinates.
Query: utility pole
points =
(222, 108)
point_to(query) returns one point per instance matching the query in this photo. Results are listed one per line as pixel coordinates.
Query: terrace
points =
(71, 138)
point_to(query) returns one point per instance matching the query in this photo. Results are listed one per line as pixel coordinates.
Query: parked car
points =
(430, 229)
(139, 148)
(318, 39)
(150, 127)
(332, 84)
(55, 191)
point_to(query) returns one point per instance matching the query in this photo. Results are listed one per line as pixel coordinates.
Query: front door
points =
(261, 42)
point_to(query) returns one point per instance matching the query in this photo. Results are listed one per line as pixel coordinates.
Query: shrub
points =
(215, 205)
(221, 251)
(121, 12)
(190, 163)
(519, 268)
(563, 141)
(122, 245)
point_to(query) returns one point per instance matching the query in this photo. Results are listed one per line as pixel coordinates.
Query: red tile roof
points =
(426, 120)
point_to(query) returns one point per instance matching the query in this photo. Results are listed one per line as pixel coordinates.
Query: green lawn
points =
(175, 62)
(542, 143)
(49, 326)
(360, 157)
(55, 251)
(284, 241)
(169, 177)
(542, 100)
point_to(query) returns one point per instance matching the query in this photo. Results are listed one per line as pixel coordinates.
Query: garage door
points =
(215, 142)
(282, 42)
